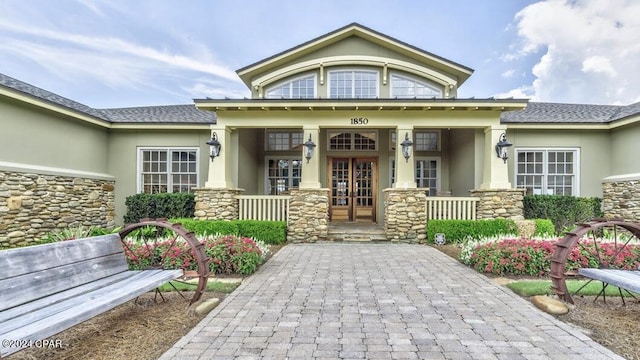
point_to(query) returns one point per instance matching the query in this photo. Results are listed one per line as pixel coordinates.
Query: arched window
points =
(300, 88)
(403, 87)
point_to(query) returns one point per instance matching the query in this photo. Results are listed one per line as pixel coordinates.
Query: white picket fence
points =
(263, 207)
(451, 208)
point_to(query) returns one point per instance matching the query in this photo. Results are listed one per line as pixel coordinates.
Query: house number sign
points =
(359, 121)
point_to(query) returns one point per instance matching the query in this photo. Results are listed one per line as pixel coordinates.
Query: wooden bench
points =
(628, 280)
(45, 289)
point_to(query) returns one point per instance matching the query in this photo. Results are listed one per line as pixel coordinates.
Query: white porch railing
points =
(451, 208)
(263, 207)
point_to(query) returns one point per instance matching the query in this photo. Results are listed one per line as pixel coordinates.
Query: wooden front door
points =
(354, 185)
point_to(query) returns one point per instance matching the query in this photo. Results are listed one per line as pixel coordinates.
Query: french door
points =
(354, 186)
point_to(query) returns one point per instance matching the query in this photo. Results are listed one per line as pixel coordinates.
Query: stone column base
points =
(216, 204)
(499, 203)
(621, 197)
(308, 215)
(405, 214)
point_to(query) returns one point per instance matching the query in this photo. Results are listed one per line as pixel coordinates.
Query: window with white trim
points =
(284, 140)
(300, 88)
(423, 140)
(283, 174)
(427, 173)
(353, 84)
(163, 170)
(403, 87)
(548, 171)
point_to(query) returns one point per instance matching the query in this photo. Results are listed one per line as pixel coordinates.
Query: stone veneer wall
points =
(405, 215)
(621, 197)
(216, 204)
(32, 205)
(500, 203)
(308, 215)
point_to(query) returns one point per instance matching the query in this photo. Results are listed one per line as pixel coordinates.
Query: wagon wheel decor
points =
(159, 244)
(601, 243)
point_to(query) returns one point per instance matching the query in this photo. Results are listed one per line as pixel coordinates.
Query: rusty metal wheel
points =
(159, 244)
(587, 237)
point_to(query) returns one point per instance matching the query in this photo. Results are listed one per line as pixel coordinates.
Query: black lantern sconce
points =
(406, 147)
(502, 146)
(309, 148)
(214, 146)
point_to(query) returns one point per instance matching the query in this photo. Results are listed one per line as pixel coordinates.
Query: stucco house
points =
(352, 126)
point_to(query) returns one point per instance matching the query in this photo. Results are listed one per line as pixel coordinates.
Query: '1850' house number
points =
(359, 121)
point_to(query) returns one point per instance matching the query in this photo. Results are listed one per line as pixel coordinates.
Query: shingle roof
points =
(48, 96)
(173, 114)
(165, 114)
(556, 113)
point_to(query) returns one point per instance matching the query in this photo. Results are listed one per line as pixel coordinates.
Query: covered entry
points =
(353, 188)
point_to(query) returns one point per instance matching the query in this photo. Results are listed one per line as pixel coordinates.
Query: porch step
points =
(355, 232)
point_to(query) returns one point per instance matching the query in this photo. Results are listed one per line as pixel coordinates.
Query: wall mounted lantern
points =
(308, 148)
(502, 146)
(214, 146)
(406, 147)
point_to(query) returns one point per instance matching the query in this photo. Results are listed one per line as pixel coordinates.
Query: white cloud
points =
(589, 49)
(509, 73)
(523, 92)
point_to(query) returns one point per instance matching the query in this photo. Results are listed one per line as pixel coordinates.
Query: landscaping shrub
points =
(271, 232)
(232, 254)
(544, 228)
(456, 231)
(563, 211)
(153, 206)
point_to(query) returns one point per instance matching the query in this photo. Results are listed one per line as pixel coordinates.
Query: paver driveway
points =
(377, 301)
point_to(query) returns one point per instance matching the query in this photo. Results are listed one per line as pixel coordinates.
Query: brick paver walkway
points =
(377, 301)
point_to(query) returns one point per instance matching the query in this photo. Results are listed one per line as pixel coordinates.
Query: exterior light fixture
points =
(214, 146)
(406, 147)
(439, 239)
(501, 147)
(309, 146)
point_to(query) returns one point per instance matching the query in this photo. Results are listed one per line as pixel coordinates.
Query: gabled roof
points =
(354, 29)
(558, 113)
(165, 114)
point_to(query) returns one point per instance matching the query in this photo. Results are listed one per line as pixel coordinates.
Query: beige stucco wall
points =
(249, 142)
(594, 146)
(123, 154)
(462, 162)
(624, 149)
(31, 136)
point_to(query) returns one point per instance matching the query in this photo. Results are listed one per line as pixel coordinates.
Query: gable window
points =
(283, 174)
(403, 87)
(353, 84)
(300, 88)
(284, 140)
(353, 140)
(166, 170)
(548, 171)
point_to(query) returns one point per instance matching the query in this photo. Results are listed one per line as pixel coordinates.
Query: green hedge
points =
(544, 228)
(455, 231)
(153, 206)
(271, 232)
(563, 211)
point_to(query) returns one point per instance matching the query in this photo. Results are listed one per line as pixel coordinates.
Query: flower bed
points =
(533, 257)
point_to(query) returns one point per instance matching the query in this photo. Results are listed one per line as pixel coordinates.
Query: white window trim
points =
(576, 164)
(329, 131)
(415, 131)
(275, 157)
(291, 80)
(438, 160)
(290, 131)
(376, 72)
(416, 79)
(141, 149)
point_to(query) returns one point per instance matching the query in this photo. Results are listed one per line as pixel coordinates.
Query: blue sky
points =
(122, 53)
